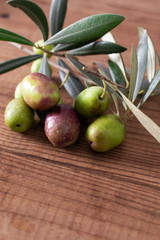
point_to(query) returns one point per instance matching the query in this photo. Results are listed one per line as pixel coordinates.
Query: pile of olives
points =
(37, 93)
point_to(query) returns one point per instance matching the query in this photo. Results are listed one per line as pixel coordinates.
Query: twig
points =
(31, 53)
(50, 53)
(101, 77)
(76, 75)
(17, 45)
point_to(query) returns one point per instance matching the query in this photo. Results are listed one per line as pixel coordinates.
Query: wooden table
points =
(74, 193)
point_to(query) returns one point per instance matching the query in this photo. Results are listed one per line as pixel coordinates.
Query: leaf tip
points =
(9, 2)
(121, 17)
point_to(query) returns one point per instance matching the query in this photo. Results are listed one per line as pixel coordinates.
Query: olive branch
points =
(126, 87)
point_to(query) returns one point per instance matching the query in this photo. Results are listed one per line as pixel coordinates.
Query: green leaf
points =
(44, 68)
(17, 62)
(151, 61)
(147, 123)
(97, 48)
(86, 29)
(34, 12)
(9, 36)
(133, 74)
(116, 73)
(152, 86)
(79, 66)
(66, 47)
(57, 15)
(73, 85)
(142, 53)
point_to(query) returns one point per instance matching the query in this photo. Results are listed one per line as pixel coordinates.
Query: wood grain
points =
(74, 193)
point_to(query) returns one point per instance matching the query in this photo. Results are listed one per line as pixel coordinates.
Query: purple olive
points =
(62, 126)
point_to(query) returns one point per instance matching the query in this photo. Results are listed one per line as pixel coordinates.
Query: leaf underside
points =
(151, 61)
(152, 86)
(44, 67)
(117, 57)
(142, 53)
(133, 72)
(146, 122)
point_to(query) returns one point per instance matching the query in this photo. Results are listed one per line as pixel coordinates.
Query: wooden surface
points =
(74, 193)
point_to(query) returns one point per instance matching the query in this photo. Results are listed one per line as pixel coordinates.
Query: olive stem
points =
(65, 79)
(50, 52)
(104, 89)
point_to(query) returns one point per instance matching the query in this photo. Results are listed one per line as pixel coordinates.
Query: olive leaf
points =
(6, 35)
(73, 85)
(87, 84)
(151, 61)
(97, 48)
(66, 47)
(79, 66)
(133, 72)
(87, 29)
(142, 53)
(34, 12)
(44, 67)
(116, 57)
(116, 74)
(17, 62)
(57, 15)
(105, 70)
(152, 86)
(147, 123)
